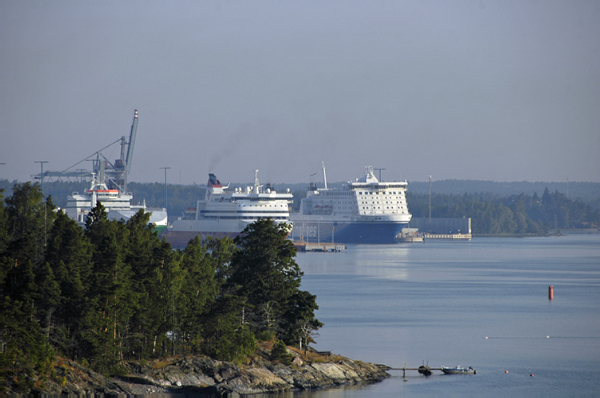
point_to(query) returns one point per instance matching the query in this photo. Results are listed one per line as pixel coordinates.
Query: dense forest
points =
(113, 291)
(513, 215)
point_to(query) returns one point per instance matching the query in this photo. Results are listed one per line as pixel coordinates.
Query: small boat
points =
(459, 371)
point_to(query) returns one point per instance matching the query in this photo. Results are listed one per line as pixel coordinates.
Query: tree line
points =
(491, 213)
(113, 291)
(515, 215)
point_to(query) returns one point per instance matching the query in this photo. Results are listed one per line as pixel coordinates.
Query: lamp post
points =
(41, 162)
(165, 168)
(430, 201)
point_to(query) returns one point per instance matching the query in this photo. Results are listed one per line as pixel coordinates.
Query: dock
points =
(423, 369)
(319, 247)
(409, 235)
(458, 236)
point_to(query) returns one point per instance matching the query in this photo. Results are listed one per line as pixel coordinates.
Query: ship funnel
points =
(213, 182)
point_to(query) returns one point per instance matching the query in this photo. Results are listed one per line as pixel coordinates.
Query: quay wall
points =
(441, 225)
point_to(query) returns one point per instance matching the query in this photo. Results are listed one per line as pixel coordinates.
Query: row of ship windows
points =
(361, 193)
(235, 199)
(243, 218)
(206, 212)
(264, 205)
(387, 203)
(377, 193)
(388, 208)
(364, 203)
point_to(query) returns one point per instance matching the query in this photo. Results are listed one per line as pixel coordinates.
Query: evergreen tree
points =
(69, 255)
(111, 299)
(144, 253)
(26, 355)
(266, 275)
(200, 290)
(226, 336)
(299, 320)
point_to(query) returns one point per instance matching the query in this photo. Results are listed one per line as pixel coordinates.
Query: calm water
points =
(438, 301)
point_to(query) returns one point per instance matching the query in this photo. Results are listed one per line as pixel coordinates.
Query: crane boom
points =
(131, 143)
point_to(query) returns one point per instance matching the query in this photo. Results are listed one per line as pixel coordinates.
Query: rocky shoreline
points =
(201, 375)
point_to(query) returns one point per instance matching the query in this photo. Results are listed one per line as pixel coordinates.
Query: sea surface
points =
(482, 303)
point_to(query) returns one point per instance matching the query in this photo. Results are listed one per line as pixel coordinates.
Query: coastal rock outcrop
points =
(209, 376)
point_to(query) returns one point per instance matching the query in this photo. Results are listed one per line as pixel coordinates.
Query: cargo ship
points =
(109, 186)
(117, 204)
(221, 212)
(364, 211)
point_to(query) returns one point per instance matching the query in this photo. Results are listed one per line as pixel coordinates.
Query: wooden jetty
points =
(423, 369)
(427, 371)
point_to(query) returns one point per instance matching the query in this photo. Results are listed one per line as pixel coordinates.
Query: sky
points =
(480, 90)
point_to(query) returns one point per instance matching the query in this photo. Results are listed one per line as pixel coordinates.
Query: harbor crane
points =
(115, 173)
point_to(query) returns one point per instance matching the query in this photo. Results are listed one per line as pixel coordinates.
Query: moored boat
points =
(458, 370)
(363, 211)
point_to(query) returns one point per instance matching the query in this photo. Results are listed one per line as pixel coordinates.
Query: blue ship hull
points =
(346, 232)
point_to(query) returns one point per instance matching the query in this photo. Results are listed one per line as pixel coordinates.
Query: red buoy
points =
(550, 292)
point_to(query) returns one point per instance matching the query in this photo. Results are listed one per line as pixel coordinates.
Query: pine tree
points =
(266, 275)
(69, 255)
(26, 354)
(111, 299)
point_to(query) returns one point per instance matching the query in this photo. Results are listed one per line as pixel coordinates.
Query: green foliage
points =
(516, 214)
(226, 336)
(266, 275)
(114, 291)
(279, 353)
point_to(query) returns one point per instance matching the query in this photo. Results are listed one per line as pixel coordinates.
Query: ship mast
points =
(324, 174)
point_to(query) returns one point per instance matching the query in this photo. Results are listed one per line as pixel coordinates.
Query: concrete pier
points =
(448, 236)
(319, 247)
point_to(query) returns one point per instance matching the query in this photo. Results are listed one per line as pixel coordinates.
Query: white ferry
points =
(221, 212)
(364, 211)
(117, 204)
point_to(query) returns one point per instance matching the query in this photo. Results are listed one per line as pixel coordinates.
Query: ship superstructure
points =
(223, 212)
(364, 211)
(117, 204)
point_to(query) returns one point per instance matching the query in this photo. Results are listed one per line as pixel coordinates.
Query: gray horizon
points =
(468, 90)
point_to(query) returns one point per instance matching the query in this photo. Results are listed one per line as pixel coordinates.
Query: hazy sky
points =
(491, 90)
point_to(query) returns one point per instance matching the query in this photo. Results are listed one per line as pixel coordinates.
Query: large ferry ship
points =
(222, 212)
(364, 211)
(117, 204)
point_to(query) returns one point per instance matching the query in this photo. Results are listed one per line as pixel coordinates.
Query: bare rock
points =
(209, 376)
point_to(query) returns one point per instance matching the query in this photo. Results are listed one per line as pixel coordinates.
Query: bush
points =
(280, 354)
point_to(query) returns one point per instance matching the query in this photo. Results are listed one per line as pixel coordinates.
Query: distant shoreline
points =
(561, 232)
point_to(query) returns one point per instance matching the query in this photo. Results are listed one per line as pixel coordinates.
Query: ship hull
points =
(182, 231)
(346, 232)
(180, 239)
(158, 217)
